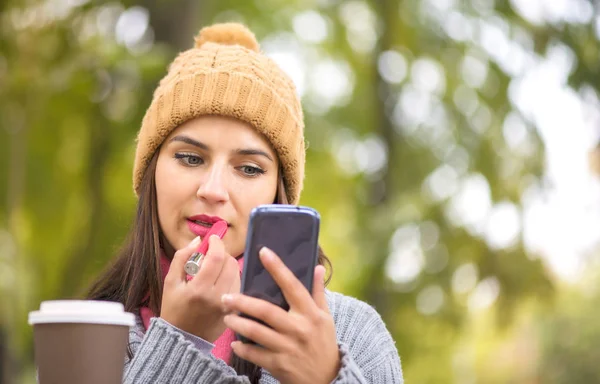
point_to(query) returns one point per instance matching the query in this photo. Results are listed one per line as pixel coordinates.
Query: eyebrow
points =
(249, 152)
(245, 152)
(190, 141)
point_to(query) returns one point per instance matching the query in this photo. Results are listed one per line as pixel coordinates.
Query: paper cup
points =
(80, 341)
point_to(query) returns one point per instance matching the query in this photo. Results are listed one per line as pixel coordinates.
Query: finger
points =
(212, 263)
(293, 290)
(236, 285)
(228, 274)
(176, 270)
(263, 310)
(254, 354)
(319, 288)
(257, 332)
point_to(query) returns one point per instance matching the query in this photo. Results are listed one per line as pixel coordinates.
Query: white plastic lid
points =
(82, 311)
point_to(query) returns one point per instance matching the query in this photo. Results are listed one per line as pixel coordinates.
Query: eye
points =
(251, 171)
(189, 159)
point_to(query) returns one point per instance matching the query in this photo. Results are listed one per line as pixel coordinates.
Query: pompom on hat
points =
(225, 74)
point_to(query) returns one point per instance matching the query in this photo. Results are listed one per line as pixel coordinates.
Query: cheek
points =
(251, 195)
(259, 193)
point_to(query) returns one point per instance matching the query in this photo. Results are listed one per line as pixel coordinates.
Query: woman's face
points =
(212, 168)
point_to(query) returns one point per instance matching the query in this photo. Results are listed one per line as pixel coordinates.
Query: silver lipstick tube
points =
(192, 266)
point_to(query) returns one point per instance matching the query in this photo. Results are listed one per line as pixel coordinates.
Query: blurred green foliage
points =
(570, 338)
(415, 109)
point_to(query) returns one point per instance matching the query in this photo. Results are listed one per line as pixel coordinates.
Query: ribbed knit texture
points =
(368, 352)
(226, 75)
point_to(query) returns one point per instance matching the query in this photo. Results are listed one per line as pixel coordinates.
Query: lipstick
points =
(192, 266)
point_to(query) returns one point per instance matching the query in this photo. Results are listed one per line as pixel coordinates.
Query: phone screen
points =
(292, 233)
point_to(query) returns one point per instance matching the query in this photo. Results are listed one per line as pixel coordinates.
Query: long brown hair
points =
(134, 278)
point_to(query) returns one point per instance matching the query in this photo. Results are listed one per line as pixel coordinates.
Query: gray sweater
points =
(368, 352)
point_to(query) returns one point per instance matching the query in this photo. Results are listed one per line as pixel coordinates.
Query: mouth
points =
(206, 221)
(202, 223)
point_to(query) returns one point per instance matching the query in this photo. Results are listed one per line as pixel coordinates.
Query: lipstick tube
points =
(192, 266)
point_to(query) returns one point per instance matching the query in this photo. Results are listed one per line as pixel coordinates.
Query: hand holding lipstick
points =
(193, 264)
(195, 305)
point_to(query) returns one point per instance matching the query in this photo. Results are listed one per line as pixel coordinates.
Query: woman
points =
(224, 134)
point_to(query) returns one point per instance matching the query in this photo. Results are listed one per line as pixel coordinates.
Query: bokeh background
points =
(453, 155)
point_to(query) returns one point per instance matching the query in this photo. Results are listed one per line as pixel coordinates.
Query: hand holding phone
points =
(295, 341)
(291, 232)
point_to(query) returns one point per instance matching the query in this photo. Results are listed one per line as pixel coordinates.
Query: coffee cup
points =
(79, 341)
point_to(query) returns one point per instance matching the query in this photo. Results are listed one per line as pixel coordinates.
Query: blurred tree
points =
(569, 339)
(554, 342)
(409, 100)
(71, 98)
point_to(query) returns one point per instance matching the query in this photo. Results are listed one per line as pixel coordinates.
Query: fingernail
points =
(195, 242)
(266, 254)
(226, 298)
(234, 344)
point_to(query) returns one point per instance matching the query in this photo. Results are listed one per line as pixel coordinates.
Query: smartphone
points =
(292, 232)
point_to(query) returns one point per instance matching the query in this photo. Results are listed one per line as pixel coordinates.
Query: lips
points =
(203, 223)
(200, 225)
(205, 220)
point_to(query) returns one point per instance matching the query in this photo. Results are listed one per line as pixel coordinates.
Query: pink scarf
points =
(222, 349)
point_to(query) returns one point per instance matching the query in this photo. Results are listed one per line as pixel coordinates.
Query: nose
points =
(213, 187)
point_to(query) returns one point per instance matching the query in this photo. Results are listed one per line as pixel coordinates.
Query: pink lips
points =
(200, 225)
(206, 219)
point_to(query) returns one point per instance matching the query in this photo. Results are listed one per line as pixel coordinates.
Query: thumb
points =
(176, 271)
(318, 291)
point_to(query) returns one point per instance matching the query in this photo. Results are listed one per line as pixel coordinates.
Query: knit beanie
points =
(225, 74)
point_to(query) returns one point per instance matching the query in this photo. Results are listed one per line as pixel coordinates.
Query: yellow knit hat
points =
(226, 74)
